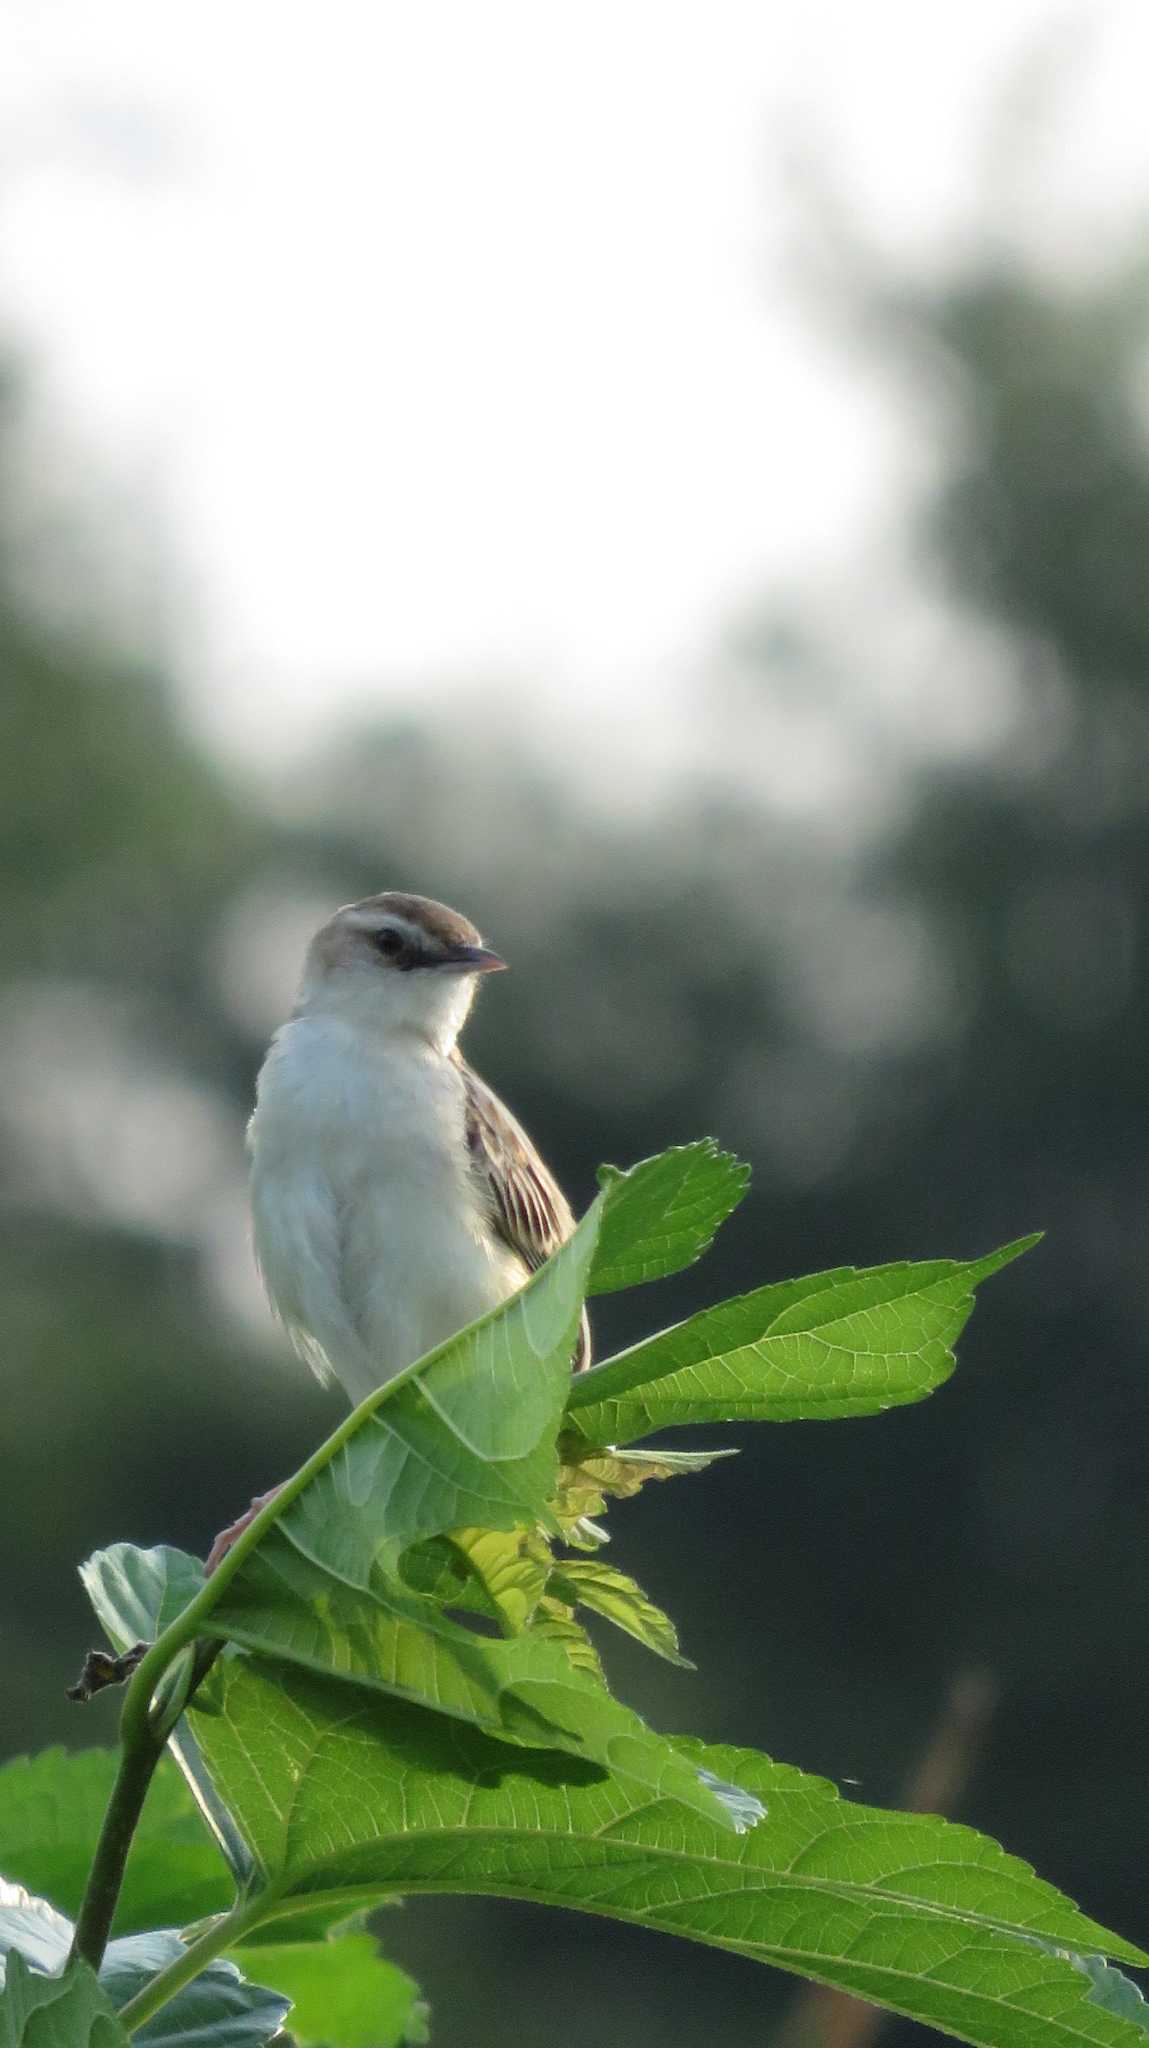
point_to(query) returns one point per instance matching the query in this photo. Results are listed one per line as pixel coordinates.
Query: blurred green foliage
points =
(928, 1036)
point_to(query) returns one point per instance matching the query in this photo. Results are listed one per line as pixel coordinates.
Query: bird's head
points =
(397, 963)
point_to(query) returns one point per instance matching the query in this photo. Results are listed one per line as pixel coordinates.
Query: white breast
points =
(368, 1226)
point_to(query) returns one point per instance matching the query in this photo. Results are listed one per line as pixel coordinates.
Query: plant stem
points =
(137, 1765)
(224, 1933)
(143, 1738)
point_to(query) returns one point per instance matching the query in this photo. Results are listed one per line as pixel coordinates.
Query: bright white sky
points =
(449, 340)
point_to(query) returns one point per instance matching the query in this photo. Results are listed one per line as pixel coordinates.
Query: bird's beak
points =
(472, 960)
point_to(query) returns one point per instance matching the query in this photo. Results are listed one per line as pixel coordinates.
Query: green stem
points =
(143, 1742)
(137, 1765)
(224, 1933)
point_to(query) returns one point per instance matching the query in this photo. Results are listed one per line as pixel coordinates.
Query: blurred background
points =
(673, 482)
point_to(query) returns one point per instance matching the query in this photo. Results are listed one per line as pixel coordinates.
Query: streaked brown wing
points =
(528, 1207)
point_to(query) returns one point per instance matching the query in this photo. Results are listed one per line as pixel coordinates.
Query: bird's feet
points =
(227, 1537)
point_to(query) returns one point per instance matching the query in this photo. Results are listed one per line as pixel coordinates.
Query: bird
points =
(394, 1197)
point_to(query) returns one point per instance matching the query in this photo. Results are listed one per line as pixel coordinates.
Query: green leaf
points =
(374, 1631)
(33, 1928)
(51, 1808)
(673, 1205)
(511, 1565)
(586, 1583)
(335, 1792)
(589, 1474)
(847, 1342)
(56, 2012)
(343, 1993)
(219, 2007)
(157, 1588)
(1113, 1991)
(526, 1690)
(556, 1622)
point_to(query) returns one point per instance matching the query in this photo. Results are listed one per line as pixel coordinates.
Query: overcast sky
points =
(451, 340)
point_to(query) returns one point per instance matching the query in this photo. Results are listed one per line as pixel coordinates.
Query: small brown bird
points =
(394, 1197)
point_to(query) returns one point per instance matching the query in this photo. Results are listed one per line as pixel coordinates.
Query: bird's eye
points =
(389, 943)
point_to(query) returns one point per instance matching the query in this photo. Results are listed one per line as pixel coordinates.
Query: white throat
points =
(427, 1006)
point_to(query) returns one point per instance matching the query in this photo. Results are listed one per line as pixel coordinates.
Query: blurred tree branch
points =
(821, 2017)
